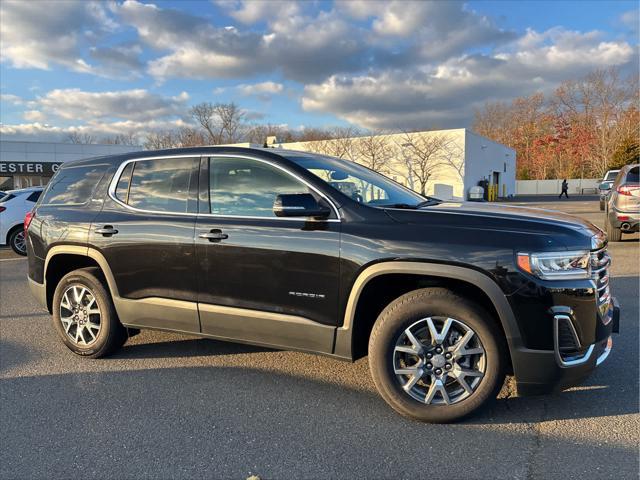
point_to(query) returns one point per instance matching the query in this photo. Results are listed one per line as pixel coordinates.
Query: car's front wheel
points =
(601, 205)
(435, 356)
(17, 241)
(84, 315)
(614, 234)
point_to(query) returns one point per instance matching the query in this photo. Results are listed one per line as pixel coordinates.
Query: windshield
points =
(357, 182)
(611, 175)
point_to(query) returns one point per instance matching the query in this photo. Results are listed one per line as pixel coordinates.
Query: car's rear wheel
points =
(601, 205)
(435, 356)
(84, 315)
(17, 241)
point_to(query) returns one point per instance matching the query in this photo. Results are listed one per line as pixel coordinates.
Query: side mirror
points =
(299, 205)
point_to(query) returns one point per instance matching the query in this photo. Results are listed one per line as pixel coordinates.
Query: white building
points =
(26, 164)
(443, 163)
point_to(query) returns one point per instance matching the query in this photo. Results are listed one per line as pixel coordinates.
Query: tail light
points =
(27, 220)
(627, 189)
(2, 209)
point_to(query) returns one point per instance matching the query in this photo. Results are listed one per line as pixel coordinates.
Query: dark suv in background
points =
(299, 251)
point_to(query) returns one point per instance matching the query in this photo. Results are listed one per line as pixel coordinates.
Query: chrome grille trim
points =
(600, 263)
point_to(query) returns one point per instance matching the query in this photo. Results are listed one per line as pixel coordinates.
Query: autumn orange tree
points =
(573, 133)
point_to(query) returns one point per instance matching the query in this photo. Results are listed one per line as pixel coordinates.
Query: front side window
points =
(357, 182)
(73, 185)
(160, 185)
(248, 188)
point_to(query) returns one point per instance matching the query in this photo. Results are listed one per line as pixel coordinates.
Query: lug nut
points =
(438, 350)
(447, 355)
(429, 355)
(448, 366)
(438, 371)
(429, 366)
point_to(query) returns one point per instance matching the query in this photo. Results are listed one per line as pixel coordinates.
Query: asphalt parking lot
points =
(171, 406)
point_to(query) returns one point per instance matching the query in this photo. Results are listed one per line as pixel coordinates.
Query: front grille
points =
(600, 262)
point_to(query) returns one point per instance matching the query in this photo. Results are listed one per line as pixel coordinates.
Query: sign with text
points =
(29, 168)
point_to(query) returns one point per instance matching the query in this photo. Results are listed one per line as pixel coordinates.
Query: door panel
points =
(262, 262)
(152, 253)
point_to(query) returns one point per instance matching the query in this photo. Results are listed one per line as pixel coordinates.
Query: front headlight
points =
(556, 265)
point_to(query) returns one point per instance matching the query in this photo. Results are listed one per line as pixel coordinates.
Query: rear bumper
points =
(39, 292)
(544, 371)
(626, 221)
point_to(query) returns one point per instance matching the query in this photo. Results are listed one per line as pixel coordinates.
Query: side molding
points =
(343, 344)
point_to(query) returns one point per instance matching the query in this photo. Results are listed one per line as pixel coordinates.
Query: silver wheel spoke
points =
(417, 344)
(437, 386)
(439, 337)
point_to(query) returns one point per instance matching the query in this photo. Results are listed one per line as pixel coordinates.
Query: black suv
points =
(300, 251)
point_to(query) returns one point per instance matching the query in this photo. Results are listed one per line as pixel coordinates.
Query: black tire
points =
(614, 234)
(17, 241)
(111, 334)
(602, 205)
(404, 312)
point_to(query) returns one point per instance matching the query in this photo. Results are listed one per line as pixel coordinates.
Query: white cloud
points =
(35, 35)
(247, 11)
(135, 105)
(34, 116)
(37, 131)
(445, 94)
(264, 90)
(9, 98)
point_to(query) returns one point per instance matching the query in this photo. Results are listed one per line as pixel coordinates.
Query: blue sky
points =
(111, 67)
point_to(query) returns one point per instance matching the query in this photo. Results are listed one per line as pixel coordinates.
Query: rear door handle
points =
(214, 235)
(106, 230)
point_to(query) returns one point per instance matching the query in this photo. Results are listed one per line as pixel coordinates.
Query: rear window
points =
(73, 185)
(7, 197)
(634, 175)
(157, 185)
(611, 176)
(34, 196)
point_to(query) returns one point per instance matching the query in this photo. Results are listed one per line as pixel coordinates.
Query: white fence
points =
(554, 187)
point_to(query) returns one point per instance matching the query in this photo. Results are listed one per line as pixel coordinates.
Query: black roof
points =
(272, 153)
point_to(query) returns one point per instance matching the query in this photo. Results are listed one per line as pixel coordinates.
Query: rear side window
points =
(159, 185)
(634, 175)
(34, 196)
(73, 185)
(7, 197)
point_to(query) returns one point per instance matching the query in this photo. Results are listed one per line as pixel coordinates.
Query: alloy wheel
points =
(19, 242)
(439, 360)
(80, 315)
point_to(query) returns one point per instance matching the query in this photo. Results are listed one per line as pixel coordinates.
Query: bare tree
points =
(161, 139)
(121, 139)
(80, 138)
(374, 151)
(424, 154)
(222, 122)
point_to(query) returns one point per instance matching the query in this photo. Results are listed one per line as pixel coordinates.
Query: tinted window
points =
(357, 182)
(161, 185)
(73, 185)
(634, 175)
(242, 187)
(122, 189)
(7, 197)
(34, 196)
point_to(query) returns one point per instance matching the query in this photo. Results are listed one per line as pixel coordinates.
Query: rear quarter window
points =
(634, 175)
(73, 185)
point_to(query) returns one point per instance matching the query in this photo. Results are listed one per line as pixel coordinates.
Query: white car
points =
(13, 207)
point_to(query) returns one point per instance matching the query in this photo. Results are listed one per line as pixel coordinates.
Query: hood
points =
(502, 217)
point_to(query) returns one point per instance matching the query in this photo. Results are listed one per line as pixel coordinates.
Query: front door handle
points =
(214, 235)
(107, 230)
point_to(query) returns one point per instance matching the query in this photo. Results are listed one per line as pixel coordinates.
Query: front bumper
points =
(543, 371)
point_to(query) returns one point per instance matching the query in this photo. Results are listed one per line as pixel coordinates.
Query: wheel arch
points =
(12, 229)
(350, 336)
(63, 259)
